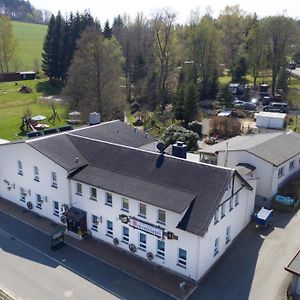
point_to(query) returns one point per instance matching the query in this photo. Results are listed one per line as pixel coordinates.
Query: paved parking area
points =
(253, 268)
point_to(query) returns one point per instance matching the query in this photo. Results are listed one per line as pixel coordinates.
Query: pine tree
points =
(107, 31)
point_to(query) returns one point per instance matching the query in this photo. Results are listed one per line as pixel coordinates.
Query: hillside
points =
(30, 38)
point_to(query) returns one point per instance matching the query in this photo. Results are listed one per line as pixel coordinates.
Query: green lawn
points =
(30, 43)
(13, 105)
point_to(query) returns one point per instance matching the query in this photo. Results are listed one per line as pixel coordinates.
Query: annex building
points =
(102, 180)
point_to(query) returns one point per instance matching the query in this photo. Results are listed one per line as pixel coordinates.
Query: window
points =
(216, 217)
(125, 204)
(223, 210)
(142, 211)
(143, 240)
(20, 168)
(108, 200)
(216, 248)
(93, 193)
(78, 188)
(54, 179)
(228, 234)
(56, 208)
(231, 204)
(95, 223)
(125, 237)
(291, 165)
(161, 216)
(160, 249)
(182, 257)
(22, 194)
(280, 172)
(237, 199)
(39, 201)
(36, 175)
(109, 228)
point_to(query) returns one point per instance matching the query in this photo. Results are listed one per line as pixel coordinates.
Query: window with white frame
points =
(125, 234)
(223, 210)
(292, 165)
(22, 194)
(125, 204)
(216, 247)
(93, 193)
(216, 217)
(108, 198)
(228, 234)
(109, 228)
(56, 208)
(36, 175)
(142, 210)
(143, 241)
(231, 204)
(237, 199)
(78, 188)
(95, 223)
(39, 202)
(280, 172)
(160, 249)
(182, 256)
(161, 216)
(20, 167)
(54, 179)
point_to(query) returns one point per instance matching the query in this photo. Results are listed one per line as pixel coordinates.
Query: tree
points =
(94, 75)
(163, 29)
(281, 33)
(107, 31)
(8, 44)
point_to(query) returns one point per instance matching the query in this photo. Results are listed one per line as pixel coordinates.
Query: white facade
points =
(269, 177)
(25, 173)
(270, 120)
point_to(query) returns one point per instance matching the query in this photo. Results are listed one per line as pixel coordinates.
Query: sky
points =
(107, 10)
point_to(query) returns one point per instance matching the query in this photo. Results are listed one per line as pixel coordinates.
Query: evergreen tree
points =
(190, 102)
(107, 31)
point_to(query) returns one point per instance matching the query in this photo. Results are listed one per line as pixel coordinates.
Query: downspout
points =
(226, 155)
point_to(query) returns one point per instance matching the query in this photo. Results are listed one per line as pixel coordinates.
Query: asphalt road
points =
(32, 271)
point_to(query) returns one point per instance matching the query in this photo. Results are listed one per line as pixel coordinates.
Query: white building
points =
(274, 156)
(179, 214)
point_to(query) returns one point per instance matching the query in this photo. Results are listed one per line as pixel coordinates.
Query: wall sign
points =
(157, 231)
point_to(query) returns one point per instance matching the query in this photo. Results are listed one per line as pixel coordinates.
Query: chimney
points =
(179, 149)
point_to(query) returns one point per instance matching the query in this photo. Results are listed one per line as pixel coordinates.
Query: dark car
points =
(277, 107)
(266, 100)
(249, 106)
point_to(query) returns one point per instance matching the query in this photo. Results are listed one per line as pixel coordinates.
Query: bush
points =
(195, 127)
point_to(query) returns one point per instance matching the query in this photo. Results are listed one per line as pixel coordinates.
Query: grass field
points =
(14, 104)
(30, 43)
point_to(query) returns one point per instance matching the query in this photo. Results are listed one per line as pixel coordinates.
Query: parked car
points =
(277, 107)
(249, 106)
(266, 100)
(238, 103)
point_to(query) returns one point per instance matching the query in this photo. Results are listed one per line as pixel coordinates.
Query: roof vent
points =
(179, 149)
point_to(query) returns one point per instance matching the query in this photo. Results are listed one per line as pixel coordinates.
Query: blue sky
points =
(109, 9)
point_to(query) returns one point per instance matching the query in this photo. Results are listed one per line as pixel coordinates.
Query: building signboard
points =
(157, 231)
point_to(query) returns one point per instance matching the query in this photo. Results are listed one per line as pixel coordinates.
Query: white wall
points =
(270, 122)
(30, 158)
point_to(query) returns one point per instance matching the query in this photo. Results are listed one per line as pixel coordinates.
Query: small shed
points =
(272, 120)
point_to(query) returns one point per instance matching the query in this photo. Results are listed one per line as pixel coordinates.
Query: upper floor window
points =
(280, 172)
(93, 193)
(231, 204)
(182, 256)
(216, 217)
(142, 210)
(20, 168)
(54, 179)
(292, 165)
(78, 188)
(237, 199)
(223, 210)
(216, 247)
(228, 234)
(108, 199)
(36, 175)
(161, 216)
(125, 204)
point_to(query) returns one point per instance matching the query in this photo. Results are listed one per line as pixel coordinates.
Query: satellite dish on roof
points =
(161, 147)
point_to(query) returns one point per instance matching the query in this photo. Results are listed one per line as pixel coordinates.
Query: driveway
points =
(253, 268)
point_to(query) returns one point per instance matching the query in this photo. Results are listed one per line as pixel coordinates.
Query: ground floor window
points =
(228, 234)
(22, 194)
(237, 199)
(55, 208)
(216, 248)
(160, 249)
(125, 237)
(143, 241)
(95, 223)
(109, 228)
(38, 201)
(182, 255)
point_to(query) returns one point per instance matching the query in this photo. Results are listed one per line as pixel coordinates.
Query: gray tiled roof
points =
(163, 181)
(275, 148)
